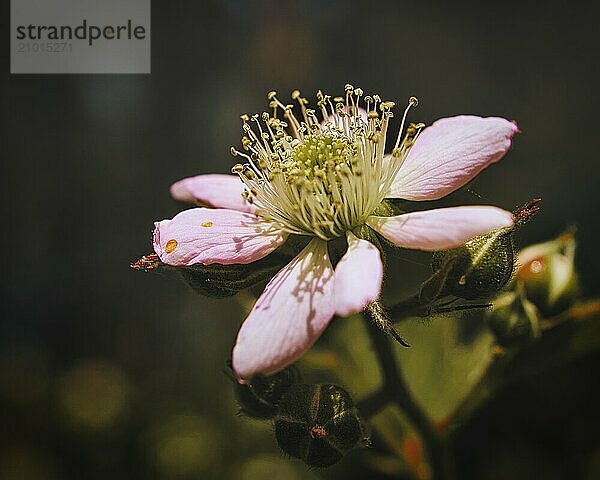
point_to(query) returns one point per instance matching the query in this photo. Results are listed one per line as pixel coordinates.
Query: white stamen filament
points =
(321, 178)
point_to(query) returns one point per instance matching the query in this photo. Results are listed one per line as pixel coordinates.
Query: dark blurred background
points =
(110, 373)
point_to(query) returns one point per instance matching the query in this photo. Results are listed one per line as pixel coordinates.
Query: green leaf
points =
(576, 337)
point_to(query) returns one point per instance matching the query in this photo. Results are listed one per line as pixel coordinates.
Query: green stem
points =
(396, 390)
(373, 403)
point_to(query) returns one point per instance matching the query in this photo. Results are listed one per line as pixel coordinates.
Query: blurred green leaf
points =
(576, 336)
(439, 369)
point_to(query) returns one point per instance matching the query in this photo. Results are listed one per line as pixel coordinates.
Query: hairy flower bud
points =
(513, 320)
(485, 264)
(547, 274)
(317, 424)
(481, 267)
(260, 398)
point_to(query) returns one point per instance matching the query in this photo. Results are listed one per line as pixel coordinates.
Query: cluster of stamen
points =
(321, 177)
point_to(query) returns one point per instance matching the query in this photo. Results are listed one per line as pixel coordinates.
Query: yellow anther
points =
(295, 94)
(233, 151)
(244, 117)
(207, 224)
(246, 143)
(413, 101)
(271, 95)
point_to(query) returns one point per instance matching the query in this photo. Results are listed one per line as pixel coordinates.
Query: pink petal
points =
(442, 228)
(205, 235)
(358, 277)
(212, 190)
(450, 153)
(289, 316)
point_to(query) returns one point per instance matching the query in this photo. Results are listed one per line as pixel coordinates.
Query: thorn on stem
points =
(377, 314)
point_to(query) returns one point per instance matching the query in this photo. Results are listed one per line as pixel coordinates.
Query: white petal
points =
(294, 309)
(213, 190)
(450, 153)
(358, 277)
(207, 235)
(442, 228)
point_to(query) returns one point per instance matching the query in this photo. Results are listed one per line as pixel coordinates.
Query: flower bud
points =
(481, 267)
(317, 424)
(485, 264)
(547, 274)
(513, 320)
(260, 398)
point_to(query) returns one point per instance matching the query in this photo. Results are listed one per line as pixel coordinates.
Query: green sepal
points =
(260, 398)
(336, 248)
(384, 209)
(220, 281)
(365, 232)
(548, 275)
(513, 320)
(392, 206)
(434, 287)
(483, 265)
(317, 424)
